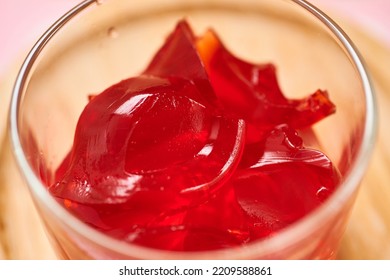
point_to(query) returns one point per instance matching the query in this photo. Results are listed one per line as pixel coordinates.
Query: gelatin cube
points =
(198, 228)
(151, 149)
(218, 223)
(178, 57)
(251, 91)
(276, 196)
(284, 184)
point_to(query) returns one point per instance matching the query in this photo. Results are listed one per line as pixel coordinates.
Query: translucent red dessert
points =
(201, 151)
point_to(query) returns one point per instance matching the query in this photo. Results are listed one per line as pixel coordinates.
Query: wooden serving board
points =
(368, 234)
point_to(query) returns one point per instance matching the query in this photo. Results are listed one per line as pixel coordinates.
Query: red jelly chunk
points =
(252, 92)
(179, 57)
(198, 152)
(146, 145)
(284, 184)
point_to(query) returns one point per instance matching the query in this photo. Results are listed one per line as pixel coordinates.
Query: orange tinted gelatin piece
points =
(198, 152)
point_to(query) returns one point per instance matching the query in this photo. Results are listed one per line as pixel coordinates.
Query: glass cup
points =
(98, 43)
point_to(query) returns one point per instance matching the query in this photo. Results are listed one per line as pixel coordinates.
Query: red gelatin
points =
(199, 152)
(251, 91)
(178, 57)
(284, 184)
(128, 150)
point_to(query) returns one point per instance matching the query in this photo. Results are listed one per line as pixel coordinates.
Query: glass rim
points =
(263, 247)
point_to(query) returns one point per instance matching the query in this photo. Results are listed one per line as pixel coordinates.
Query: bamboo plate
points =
(368, 233)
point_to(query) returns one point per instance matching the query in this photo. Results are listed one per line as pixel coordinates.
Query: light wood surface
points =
(368, 234)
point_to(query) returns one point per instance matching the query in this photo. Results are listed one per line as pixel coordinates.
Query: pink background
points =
(23, 21)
